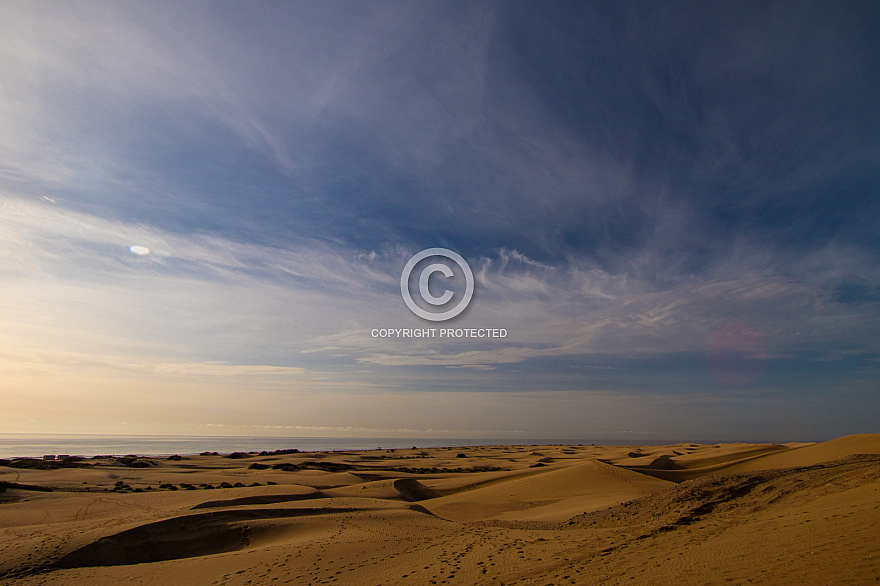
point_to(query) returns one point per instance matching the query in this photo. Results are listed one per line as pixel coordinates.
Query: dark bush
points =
(134, 462)
(33, 464)
(328, 466)
(286, 467)
(280, 452)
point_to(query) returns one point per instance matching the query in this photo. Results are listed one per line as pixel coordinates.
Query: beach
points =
(686, 513)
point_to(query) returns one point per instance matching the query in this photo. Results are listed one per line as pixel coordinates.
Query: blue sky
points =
(672, 208)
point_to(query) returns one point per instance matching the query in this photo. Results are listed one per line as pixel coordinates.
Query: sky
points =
(671, 210)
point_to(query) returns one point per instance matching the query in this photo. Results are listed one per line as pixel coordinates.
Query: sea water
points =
(33, 445)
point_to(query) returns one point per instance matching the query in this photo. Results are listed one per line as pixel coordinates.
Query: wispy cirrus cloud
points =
(626, 182)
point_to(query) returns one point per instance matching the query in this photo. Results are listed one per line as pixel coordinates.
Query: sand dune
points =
(180, 537)
(866, 443)
(547, 495)
(691, 461)
(539, 515)
(261, 499)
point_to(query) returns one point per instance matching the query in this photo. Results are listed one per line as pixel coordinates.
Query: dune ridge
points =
(512, 514)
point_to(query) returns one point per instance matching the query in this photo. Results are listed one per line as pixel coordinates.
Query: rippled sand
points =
(683, 514)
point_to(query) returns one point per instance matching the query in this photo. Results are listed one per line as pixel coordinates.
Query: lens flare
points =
(736, 354)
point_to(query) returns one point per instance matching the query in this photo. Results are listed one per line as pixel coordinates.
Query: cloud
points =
(218, 194)
(215, 294)
(223, 369)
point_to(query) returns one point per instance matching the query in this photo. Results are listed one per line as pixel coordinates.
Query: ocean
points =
(32, 445)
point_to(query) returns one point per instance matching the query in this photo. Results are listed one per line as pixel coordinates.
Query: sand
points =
(682, 514)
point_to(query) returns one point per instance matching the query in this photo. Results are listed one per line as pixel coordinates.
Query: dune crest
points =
(508, 514)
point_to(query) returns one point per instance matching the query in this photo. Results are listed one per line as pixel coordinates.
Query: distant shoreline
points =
(39, 445)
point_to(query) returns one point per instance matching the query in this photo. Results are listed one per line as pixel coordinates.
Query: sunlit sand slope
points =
(551, 495)
(533, 515)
